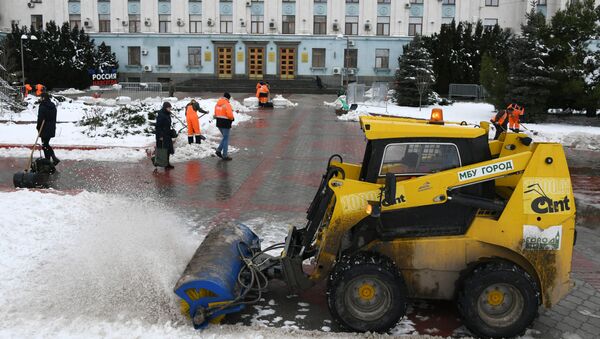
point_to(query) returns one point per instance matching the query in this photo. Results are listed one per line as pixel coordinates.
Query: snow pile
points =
(88, 256)
(70, 91)
(128, 126)
(582, 137)
(280, 101)
(251, 102)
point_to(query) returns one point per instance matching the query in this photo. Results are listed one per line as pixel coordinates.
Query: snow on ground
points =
(583, 137)
(278, 101)
(101, 265)
(69, 91)
(69, 133)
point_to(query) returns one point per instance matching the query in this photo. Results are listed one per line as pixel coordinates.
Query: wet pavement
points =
(283, 153)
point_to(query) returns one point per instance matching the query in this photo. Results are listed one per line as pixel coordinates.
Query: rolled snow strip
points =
(251, 102)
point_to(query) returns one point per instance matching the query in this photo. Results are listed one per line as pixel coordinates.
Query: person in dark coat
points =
(47, 115)
(163, 130)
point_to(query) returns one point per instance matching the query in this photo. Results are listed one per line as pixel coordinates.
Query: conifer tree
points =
(529, 74)
(414, 63)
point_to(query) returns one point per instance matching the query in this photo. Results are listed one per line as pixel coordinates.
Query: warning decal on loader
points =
(482, 171)
(535, 238)
(547, 196)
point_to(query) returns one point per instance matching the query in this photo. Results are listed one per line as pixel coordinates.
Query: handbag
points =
(173, 133)
(161, 157)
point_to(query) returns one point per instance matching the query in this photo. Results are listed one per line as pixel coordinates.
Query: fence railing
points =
(472, 91)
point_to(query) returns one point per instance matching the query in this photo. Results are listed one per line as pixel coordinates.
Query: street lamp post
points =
(24, 37)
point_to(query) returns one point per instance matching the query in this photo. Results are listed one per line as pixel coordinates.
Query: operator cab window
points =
(414, 159)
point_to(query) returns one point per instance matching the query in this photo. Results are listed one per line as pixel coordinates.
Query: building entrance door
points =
(287, 63)
(225, 62)
(256, 57)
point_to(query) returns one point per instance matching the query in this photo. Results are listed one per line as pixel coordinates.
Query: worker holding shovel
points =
(46, 126)
(193, 123)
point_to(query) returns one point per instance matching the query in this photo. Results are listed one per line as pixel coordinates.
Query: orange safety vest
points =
(39, 89)
(223, 109)
(27, 89)
(500, 117)
(190, 112)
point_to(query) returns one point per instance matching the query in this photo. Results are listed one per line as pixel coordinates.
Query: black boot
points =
(198, 139)
(190, 140)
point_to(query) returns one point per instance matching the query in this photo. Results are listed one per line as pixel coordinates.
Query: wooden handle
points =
(35, 143)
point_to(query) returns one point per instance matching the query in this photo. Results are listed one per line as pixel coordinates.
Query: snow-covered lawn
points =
(130, 147)
(99, 265)
(585, 137)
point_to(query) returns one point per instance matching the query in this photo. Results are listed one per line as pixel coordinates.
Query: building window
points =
(135, 24)
(415, 26)
(416, 1)
(164, 56)
(226, 24)
(493, 3)
(320, 1)
(382, 58)
(134, 79)
(350, 58)
(75, 20)
(352, 1)
(289, 24)
(383, 1)
(320, 25)
(448, 2)
(542, 2)
(134, 56)
(194, 56)
(383, 25)
(195, 23)
(447, 21)
(489, 22)
(37, 22)
(164, 23)
(318, 57)
(103, 23)
(257, 24)
(351, 25)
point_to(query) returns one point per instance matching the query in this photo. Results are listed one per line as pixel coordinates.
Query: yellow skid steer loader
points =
(435, 210)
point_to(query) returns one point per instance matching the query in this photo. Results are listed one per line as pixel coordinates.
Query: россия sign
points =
(103, 78)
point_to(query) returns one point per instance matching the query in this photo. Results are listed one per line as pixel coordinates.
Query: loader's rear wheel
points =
(366, 293)
(498, 300)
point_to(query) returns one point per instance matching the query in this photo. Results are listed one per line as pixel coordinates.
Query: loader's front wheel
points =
(498, 300)
(366, 293)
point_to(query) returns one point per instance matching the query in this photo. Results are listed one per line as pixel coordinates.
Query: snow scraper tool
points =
(37, 173)
(435, 210)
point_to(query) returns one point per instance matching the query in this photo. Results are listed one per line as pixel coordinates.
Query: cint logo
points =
(544, 204)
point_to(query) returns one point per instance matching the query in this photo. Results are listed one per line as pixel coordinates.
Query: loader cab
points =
(414, 149)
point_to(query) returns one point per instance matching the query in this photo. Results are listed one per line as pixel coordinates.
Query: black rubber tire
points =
(495, 273)
(372, 266)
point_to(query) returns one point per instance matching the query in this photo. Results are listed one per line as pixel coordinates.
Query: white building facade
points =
(284, 39)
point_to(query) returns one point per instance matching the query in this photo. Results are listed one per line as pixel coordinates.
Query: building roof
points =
(397, 127)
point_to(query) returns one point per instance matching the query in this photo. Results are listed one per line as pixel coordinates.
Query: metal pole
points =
(22, 64)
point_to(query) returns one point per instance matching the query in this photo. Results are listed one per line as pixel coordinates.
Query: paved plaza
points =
(282, 154)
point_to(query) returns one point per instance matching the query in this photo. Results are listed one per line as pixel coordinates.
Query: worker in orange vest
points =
(193, 124)
(224, 117)
(28, 89)
(263, 95)
(39, 89)
(500, 122)
(514, 113)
